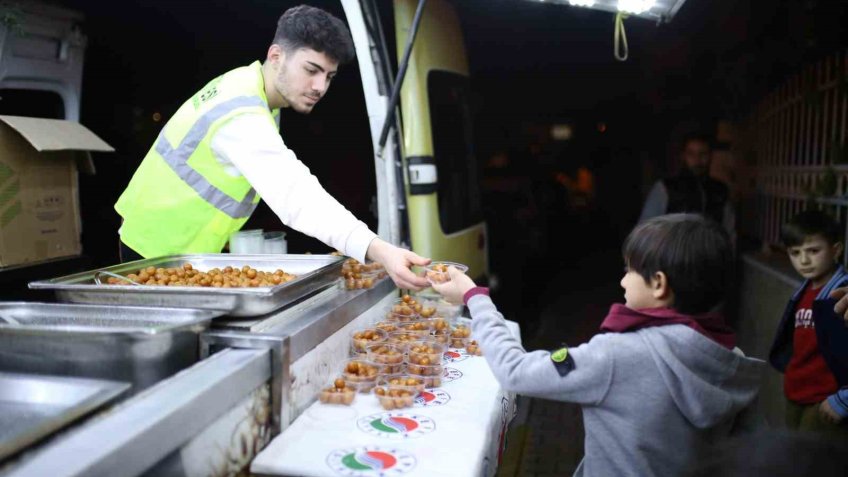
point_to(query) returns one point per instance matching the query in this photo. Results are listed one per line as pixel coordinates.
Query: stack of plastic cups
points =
(247, 242)
(275, 243)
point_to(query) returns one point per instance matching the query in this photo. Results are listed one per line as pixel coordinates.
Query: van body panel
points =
(439, 47)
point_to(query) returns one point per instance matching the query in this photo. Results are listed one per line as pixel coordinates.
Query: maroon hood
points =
(711, 325)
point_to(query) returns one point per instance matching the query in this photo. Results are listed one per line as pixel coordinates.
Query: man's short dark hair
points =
(696, 136)
(694, 253)
(309, 27)
(808, 223)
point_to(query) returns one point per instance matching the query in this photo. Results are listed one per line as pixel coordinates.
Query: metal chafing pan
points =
(140, 345)
(32, 407)
(314, 272)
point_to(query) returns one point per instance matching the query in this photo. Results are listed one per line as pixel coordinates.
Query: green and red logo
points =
(432, 397)
(451, 374)
(371, 461)
(455, 355)
(396, 425)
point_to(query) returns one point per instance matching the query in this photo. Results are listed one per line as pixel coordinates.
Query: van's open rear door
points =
(442, 173)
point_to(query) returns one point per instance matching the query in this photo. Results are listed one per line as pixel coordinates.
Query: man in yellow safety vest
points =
(222, 151)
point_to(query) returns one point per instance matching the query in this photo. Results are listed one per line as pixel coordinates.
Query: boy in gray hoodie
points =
(666, 380)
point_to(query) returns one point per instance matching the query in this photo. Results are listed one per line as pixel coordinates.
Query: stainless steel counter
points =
(191, 409)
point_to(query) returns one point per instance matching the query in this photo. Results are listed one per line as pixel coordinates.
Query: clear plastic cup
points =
(388, 354)
(430, 298)
(247, 242)
(430, 374)
(439, 324)
(337, 392)
(393, 395)
(420, 327)
(424, 353)
(360, 339)
(437, 272)
(387, 326)
(275, 243)
(443, 336)
(460, 336)
(361, 374)
(403, 339)
(402, 311)
(362, 281)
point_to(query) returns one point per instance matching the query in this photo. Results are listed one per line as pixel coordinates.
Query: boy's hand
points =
(828, 414)
(841, 307)
(454, 290)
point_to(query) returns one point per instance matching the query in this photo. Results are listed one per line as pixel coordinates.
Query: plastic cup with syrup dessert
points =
(430, 298)
(404, 309)
(358, 276)
(437, 324)
(420, 327)
(442, 336)
(460, 336)
(398, 391)
(437, 272)
(425, 364)
(388, 354)
(361, 374)
(337, 392)
(424, 353)
(403, 339)
(360, 339)
(387, 326)
(431, 374)
(473, 348)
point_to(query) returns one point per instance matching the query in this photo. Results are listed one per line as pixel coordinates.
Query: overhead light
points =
(660, 10)
(635, 6)
(561, 132)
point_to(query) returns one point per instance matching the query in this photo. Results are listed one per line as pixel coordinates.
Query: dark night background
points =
(532, 64)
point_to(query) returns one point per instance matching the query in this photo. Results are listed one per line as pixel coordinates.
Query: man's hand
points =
(828, 414)
(454, 290)
(841, 307)
(397, 262)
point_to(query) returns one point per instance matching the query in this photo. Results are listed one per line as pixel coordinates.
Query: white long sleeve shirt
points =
(249, 145)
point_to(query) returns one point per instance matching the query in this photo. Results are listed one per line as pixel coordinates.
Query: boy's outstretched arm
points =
(841, 306)
(582, 374)
(835, 407)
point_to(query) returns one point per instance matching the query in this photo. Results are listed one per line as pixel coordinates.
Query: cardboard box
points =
(39, 188)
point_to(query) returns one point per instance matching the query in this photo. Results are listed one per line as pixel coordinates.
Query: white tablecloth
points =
(456, 430)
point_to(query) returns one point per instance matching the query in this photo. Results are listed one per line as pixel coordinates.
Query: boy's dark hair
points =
(694, 253)
(808, 223)
(309, 27)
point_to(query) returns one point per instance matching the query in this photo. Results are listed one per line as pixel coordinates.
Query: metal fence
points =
(797, 137)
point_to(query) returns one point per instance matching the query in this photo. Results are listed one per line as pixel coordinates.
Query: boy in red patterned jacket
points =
(811, 338)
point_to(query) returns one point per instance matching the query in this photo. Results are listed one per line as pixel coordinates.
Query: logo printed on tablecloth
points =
(371, 461)
(451, 374)
(432, 397)
(455, 355)
(396, 425)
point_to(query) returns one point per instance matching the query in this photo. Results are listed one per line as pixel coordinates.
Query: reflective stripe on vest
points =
(177, 159)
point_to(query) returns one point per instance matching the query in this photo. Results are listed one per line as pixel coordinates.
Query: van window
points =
(456, 164)
(33, 103)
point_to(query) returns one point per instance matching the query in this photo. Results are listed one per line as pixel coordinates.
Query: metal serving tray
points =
(314, 272)
(32, 407)
(140, 345)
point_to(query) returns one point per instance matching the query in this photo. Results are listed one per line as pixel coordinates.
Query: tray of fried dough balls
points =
(241, 285)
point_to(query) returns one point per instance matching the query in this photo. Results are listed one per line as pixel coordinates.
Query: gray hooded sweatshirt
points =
(651, 398)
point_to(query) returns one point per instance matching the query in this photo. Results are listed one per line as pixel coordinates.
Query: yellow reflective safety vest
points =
(181, 199)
